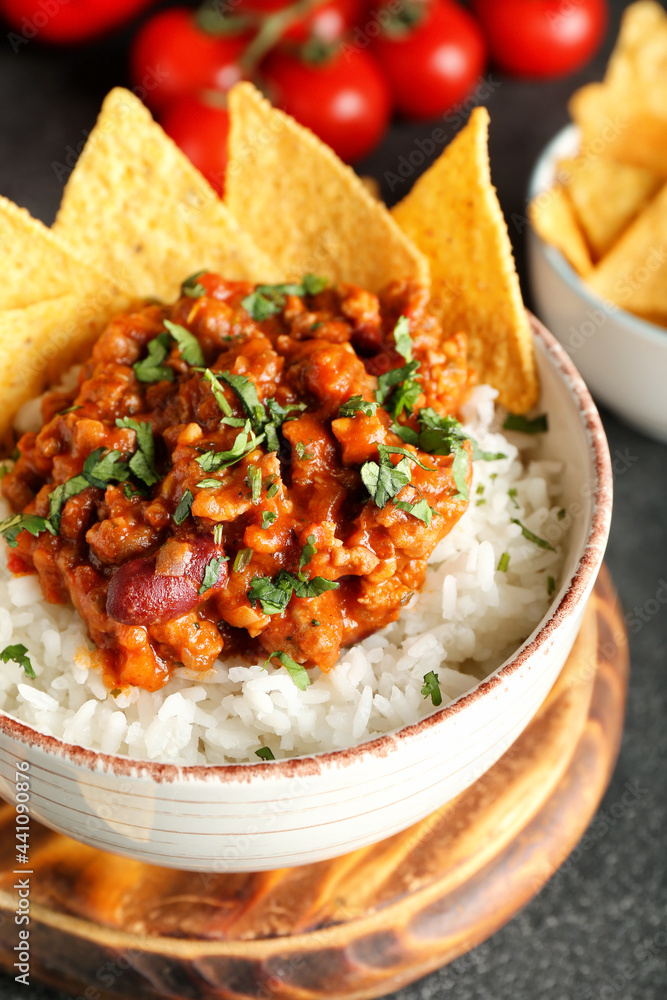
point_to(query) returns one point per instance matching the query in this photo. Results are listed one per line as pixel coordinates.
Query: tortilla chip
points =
(35, 265)
(304, 207)
(638, 64)
(554, 220)
(136, 207)
(634, 272)
(40, 341)
(453, 215)
(606, 196)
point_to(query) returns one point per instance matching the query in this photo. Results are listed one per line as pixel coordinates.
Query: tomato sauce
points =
(172, 554)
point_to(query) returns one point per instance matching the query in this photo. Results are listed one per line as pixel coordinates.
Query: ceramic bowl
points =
(622, 358)
(252, 817)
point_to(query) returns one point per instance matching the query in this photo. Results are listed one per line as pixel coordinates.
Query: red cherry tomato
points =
(345, 100)
(542, 38)
(433, 65)
(328, 22)
(200, 130)
(71, 21)
(171, 56)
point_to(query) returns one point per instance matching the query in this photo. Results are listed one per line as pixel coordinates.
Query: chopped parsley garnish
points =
(315, 622)
(218, 392)
(431, 688)
(532, 537)
(70, 409)
(357, 404)
(307, 554)
(526, 425)
(142, 463)
(402, 338)
(279, 414)
(420, 509)
(188, 344)
(480, 489)
(211, 574)
(297, 672)
(551, 585)
(242, 560)
(265, 753)
(10, 527)
(209, 484)
(183, 509)
(480, 503)
(100, 469)
(267, 300)
(274, 595)
(218, 532)
(245, 442)
(18, 654)
(268, 517)
(503, 562)
(301, 452)
(384, 481)
(192, 287)
(512, 494)
(247, 393)
(254, 480)
(409, 388)
(152, 368)
(272, 490)
(59, 497)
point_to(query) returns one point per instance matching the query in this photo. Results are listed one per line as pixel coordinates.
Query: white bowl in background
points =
(622, 358)
(252, 817)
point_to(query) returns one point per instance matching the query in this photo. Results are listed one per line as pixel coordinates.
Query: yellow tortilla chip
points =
(136, 207)
(554, 220)
(40, 341)
(634, 272)
(453, 215)
(34, 263)
(607, 196)
(614, 126)
(638, 64)
(305, 208)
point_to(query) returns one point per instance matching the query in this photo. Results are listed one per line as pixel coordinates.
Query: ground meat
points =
(166, 549)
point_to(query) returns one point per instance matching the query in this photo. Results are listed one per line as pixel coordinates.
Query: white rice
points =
(468, 619)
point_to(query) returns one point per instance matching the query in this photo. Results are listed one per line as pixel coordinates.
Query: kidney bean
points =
(140, 595)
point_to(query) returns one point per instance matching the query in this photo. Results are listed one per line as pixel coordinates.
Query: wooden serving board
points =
(359, 926)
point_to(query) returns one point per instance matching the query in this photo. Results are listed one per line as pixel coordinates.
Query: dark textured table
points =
(598, 930)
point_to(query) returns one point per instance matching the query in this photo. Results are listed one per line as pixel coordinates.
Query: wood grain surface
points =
(359, 926)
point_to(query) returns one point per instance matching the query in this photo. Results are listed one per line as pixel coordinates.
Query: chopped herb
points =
(395, 376)
(480, 503)
(183, 509)
(18, 654)
(217, 534)
(243, 558)
(315, 622)
(272, 490)
(192, 287)
(265, 753)
(70, 409)
(267, 300)
(503, 562)
(313, 588)
(274, 595)
(420, 509)
(254, 480)
(402, 338)
(59, 497)
(307, 554)
(188, 344)
(268, 517)
(532, 537)
(562, 513)
(551, 585)
(209, 484)
(384, 481)
(279, 414)
(247, 393)
(406, 434)
(218, 392)
(480, 490)
(142, 462)
(297, 672)
(517, 422)
(4, 469)
(384, 450)
(357, 404)
(152, 368)
(512, 494)
(300, 449)
(313, 284)
(115, 692)
(100, 469)
(130, 490)
(245, 442)
(211, 574)
(316, 326)
(431, 688)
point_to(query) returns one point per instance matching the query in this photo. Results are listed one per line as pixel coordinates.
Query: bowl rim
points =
(642, 327)
(581, 579)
